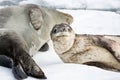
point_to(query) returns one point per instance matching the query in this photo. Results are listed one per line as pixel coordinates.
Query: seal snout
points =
(62, 31)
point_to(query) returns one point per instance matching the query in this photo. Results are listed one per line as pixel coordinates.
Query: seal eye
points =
(69, 29)
(55, 30)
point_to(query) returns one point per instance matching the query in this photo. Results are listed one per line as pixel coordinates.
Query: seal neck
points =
(63, 44)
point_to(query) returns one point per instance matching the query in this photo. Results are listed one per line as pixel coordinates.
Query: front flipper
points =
(30, 67)
(45, 47)
(17, 71)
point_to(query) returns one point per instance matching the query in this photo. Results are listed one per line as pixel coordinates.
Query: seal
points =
(96, 50)
(24, 30)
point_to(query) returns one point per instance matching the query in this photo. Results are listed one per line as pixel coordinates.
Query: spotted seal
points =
(25, 29)
(96, 50)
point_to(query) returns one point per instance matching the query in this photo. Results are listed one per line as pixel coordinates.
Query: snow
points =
(89, 18)
(102, 4)
(95, 22)
(55, 69)
(113, 5)
(59, 3)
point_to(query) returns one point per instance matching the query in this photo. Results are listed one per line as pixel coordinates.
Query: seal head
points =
(63, 37)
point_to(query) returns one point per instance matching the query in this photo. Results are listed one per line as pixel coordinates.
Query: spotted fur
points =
(96, 50)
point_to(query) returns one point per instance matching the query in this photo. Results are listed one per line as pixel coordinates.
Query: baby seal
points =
(96, 50)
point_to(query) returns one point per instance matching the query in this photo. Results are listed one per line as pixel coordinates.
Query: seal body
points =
(37, 23)
(24, 29)
(96, 50)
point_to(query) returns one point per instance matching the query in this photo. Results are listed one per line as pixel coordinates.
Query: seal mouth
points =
(62, 34)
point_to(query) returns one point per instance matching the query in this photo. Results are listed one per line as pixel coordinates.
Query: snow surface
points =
(112, 5)
(85, 22)
(95, 22)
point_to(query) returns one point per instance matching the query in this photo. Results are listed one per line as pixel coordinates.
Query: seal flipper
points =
(30, 67)
(45, 47)
(13, 46)
(5, 61)
(17, 71)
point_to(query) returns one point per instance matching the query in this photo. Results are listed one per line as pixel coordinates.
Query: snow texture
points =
(90, 17)
(110, 5)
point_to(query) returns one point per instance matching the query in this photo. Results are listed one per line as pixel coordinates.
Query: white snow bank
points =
(112, 5)
(103, 4)
(78, 72)
(69, 4)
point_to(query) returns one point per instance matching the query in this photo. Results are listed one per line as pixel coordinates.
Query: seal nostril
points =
(69, 29)
(64, 29)
(55, 31)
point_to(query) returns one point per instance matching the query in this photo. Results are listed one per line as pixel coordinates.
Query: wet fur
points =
(96, 50)
(24, 30)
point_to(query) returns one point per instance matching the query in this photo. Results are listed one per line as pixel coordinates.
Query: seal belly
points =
(32, 39)
(33, 42)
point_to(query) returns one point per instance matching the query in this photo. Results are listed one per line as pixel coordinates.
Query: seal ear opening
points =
(36, 17)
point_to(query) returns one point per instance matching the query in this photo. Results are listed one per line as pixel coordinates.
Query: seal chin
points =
(59, 35)
(62, 31)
